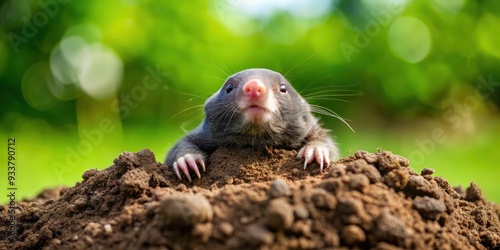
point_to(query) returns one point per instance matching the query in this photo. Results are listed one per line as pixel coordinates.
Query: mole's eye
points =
(229, 88)
(283, 88)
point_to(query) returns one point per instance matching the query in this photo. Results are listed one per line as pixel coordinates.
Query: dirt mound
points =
(264, 200)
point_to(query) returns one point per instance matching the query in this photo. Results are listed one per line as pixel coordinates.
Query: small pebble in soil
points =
(279, 214)
(108, 229)
(203, 231)
(353, 235)
(279, 188)
(427, 171)
(301, 212)
(185, 210)
(323, 199)
(428, 207)
(93, 229)
(256, 234)
(419, 186)
(226, 228)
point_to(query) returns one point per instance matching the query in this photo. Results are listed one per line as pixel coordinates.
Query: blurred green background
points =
(83, 81)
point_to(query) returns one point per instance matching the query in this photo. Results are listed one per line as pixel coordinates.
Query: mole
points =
(254, 108)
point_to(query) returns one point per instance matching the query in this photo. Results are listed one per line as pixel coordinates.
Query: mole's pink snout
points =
(254, 88)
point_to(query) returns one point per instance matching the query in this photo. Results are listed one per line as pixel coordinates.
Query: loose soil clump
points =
(263, 200)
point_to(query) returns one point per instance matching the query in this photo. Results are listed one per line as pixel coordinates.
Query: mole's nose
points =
(254, 88)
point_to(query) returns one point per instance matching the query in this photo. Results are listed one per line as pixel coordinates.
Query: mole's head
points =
(255, 97)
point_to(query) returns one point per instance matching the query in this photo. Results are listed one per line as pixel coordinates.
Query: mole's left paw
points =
(318, 152)
(189, 161)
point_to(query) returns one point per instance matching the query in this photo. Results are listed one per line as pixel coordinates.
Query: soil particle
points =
(388, 161)
(392, 229)
(353, 235)
(397, 179)
(258, 200)
(473, 193)
(256, 235)
(419, 186)
(362, 166)
(322, 199)
(185, 210)
(427, 171)
(279, 214)
(134, 182)
(358, 182)
(428, 207)
(301, 212)
(279, 188)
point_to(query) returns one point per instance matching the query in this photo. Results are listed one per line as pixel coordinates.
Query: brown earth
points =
(264, 200)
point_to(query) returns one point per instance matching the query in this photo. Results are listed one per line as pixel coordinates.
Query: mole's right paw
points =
(189, 161)
(315, 151)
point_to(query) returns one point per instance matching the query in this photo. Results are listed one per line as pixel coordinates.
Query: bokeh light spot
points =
(489, 41)
(35, 88)
(13, 12)
(101, 72)
(450, 7)
(409, 39)
(66, 58)
(282, 21)
(85, 62)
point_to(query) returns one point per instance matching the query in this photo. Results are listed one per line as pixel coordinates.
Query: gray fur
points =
(292, 127)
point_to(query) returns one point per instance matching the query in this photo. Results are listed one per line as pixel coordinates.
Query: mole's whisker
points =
(196, 107)
(326, 111)
(327, 98)
(305, 60)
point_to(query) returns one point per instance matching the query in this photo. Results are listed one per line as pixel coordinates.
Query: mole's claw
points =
(190, 159)
(176, 170)
(181, 163)
(318, 154)
(315, 152)
(202, 163)
(308, 155)
(199, 159)
(327, 158)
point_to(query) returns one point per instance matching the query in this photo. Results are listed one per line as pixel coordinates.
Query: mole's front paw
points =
(189, 161)
(318, 152)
